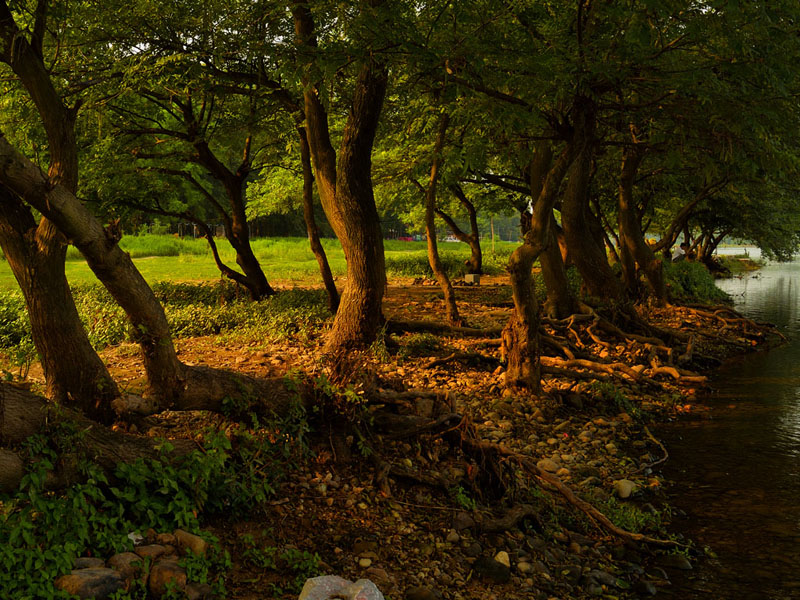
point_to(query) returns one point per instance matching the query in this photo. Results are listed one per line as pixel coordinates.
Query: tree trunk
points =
(632, 241)
(473, 239)
(520, 338)
(345, 188)
(560, 302)
(239, 237)
(74, 374)
(311, 224)
(430, 228)
(577, 218)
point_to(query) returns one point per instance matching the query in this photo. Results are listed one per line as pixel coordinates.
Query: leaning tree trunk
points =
(473, 238)
(73, 371)
(520, 339)
(171, 383)
(589, 257)
(345, 189)
(74, 374)
(311, 224)
(630, 232)
(434, 260)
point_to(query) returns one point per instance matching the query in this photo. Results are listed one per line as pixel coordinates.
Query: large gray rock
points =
(90, 583)
(331, 586)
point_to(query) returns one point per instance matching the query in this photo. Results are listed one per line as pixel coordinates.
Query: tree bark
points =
(632, 239)
(311, 224)
(74, 374)
(561, 302)
(473, 238)
(520, 338)
(430, 227)
(577, 218)
(344, 183)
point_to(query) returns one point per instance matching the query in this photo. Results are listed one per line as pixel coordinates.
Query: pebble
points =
(463, 521)
(489, 569)
(524, 567)
(674, 561)
(624, 488)
(364, 562)
(503, 558)
(549, 465)
(452, 537)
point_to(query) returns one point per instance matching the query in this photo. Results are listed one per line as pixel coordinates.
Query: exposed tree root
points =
(440, 329)
(473, 357)
(511, 519)
(661, 460)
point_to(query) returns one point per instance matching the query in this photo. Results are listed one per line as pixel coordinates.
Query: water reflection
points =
(740, 472)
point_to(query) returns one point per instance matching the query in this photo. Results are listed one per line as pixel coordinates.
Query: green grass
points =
(166, 258)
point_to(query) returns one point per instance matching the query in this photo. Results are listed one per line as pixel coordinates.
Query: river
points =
(737, 474)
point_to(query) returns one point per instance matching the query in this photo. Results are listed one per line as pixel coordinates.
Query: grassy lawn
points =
(166, 258)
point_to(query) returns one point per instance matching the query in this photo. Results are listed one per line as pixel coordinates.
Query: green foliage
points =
(192, 310)
(44, 531)
(462, 498)
(299, 565)
(630, 517)
(691, 281)
(612, 394)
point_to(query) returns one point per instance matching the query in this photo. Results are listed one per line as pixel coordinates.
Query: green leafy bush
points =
(691, 281)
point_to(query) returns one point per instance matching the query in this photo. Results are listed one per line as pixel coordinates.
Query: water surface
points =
(738, 474)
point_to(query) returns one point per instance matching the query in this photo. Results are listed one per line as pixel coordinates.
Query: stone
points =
(452, 537)
(166, 539)
(503, 558)
(624, 488)
(89, 562)
(322, 588)
(189, 541)
(421, 593)
(603, 577)
(549, 465)
(489, 569)
(91, 583)
(474, 550)
(379, 576)
(151, 551)
(128, 564)
(473, 278)
(524, 567)
(571, 573)
(562, 472)
(463, 521)
(364, 562)
(164, 575)
(674, 561)
(198, 591)
(645, 588)
(362, 589)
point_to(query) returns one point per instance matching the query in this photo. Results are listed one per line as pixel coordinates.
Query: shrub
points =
(691, 281)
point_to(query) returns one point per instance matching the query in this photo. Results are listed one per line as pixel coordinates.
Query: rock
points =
(421, 593)
(128, 564)
(524, 567)
(571, 573)
(624, 488)
(489, 569)
(152, 551)
(674, 561)
(379, 576)
(452, 537)
(603, 577)
(90, 583)
(322, 588)
(463, 521)
(474, 550)
(645, 588)
(199, 591)
(189, 541)
(88, 562)
(562, 472)
(363, 589)
(166, 539)
(503, 558)
(164, 575)
(549, 465)
(364, 562)
(575, 401)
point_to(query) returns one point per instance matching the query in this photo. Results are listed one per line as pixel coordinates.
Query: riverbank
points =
(435, 509)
